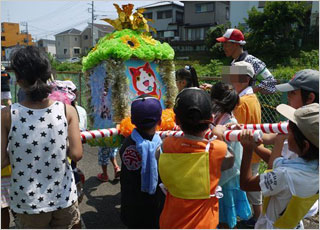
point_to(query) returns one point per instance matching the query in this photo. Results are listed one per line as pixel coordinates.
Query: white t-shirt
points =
(82, 117)
(276, 184)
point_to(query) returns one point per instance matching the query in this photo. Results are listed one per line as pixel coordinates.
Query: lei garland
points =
(167, 71)
(120, 86)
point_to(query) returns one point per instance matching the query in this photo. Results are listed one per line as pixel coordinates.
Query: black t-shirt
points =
(138, 209)
(5, 81)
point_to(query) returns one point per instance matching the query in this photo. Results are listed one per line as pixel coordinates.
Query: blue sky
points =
(47, 18)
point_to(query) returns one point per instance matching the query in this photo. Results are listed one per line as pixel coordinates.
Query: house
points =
(199, 16)
(168, 19)
(239, 11)
(68, 44)
(11, 37)
(49, 46)
(314, 18)
(99, 31)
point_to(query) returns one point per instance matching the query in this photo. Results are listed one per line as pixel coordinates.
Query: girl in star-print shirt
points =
(34, 136)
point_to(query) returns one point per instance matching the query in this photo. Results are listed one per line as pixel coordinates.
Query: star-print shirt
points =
(42, 179)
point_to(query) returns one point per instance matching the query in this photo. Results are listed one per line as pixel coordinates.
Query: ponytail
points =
(39, 90)
(189, 74)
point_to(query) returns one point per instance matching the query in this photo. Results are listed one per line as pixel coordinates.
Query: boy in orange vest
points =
(190, 166)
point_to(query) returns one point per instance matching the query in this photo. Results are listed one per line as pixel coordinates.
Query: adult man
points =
(233, 42)
(248, 111)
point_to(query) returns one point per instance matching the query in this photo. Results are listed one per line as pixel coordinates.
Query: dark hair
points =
(313, 151)
(33, 66)
(189, 74)
(224, 98)
(193, 108)
(305, 95)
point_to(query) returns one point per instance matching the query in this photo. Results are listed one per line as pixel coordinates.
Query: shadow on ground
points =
(107, 214)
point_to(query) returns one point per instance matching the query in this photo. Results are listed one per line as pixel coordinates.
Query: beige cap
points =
(248, 70)
(306, 118)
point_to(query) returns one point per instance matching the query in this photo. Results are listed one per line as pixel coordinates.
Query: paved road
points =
(100, 207)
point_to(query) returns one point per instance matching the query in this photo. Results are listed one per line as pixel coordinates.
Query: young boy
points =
(190, 166)
(292, 187)
(141, 197)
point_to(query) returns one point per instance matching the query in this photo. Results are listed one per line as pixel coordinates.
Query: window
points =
(196, 33)
(204, 7)
(65, 51)
(85, 37)
(160, 34)
(3, 38)
(58, 43)
(179, 16)
(148, 15)
(76, 51)
(227, 13)
(164, 14)
(261, 4)
(76, 39)
(2, 29)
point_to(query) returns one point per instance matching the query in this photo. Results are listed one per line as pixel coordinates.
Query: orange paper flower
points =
(126, 127)
(167, 120)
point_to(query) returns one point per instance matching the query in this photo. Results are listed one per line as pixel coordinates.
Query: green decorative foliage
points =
(127, 44)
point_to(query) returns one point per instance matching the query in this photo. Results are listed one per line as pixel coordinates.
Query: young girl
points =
(234, 201)
(34, 136)
(292, 187)
(186, 77)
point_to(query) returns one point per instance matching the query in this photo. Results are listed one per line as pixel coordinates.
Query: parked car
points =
(74, 60)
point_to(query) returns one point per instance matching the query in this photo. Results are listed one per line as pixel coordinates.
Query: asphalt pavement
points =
(100, 207)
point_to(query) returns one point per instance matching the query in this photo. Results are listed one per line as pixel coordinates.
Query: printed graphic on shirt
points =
(270, 180)
(42, 179)
(131, 158)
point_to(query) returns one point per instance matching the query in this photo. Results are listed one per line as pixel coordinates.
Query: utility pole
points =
(92, 20)
(26, 31)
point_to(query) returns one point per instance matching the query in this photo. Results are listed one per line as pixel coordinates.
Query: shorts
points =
(5, 187)
(64, 218)
(255, 198)
(105, 153)
(6, 95)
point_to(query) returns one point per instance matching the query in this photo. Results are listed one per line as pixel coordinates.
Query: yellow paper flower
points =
(132, 42)
(127, 20)
(148, 39)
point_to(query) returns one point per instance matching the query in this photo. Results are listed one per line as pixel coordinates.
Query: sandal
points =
(102, 178)
(117, 172)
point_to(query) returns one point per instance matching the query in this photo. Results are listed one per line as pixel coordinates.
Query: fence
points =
(268, 101)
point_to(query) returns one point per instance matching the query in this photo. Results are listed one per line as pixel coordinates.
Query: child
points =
(186, 77)
(234, 201)
(190, 166)
(5, 199)
(104, 154)
(141, 197)
(291, 188)
(35, 132)
(5, 87)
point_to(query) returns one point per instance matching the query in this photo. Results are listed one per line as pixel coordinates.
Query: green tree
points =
(277, 33)
(215, 47)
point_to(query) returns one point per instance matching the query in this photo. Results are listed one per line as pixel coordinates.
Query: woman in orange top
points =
(188, 205)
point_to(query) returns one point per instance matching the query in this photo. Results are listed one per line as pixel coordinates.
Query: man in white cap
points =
(248, 111)
(233, 42)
